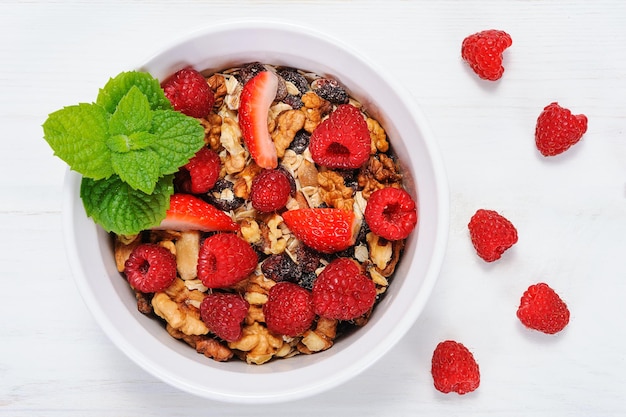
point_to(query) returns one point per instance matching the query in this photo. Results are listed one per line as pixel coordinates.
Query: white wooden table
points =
(570, 211)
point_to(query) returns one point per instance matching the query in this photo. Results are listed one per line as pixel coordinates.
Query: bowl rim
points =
(71, 209)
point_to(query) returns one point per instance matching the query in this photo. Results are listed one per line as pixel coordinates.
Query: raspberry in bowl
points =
(287, 220)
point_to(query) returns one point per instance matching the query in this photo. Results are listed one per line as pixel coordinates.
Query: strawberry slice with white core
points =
(254, 104)
(187, 212)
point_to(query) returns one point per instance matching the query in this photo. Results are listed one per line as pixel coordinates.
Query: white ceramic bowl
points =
(144, 340)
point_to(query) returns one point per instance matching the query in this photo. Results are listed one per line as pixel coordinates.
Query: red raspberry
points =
(223, 314)
(224, 260)
(288, 310)
(150, 268)
(542, 309)
(204, 170)
(391, 213)
(491, 234)
(483, 52)
(558, 129)
(454, 368)
(189, 93)
(342, 292)
(270, 190)
(341, 141)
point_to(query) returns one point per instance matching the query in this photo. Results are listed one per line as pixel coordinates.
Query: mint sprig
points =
(126, 145)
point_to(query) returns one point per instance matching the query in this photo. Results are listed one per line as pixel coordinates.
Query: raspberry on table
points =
(150, 268)
(391, 213)
(224, 260)
(483, 52)
(270, 190)
(491, 233)
(189, 93)
(223, 314)
(454, 368)
(542, 309)
(289, 309)
(558, 129)
(342, 292)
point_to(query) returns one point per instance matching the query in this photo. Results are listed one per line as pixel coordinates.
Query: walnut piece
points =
(315, 109)
(208, 346)
(378, 136)
(212, 130)
(257, 344)
(334, 192)
(178, 306)
(319, 339)
(234, 155)
(380, 171)
(288, 123)
(217, 82)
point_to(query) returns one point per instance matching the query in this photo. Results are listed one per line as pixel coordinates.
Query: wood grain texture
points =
(570, 211)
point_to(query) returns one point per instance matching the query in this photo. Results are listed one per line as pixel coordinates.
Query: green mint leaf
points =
(133, 114)
(126, 143)
(116, 88)
(77, 135)
(178, 138)
(139, 169)
(118, 208)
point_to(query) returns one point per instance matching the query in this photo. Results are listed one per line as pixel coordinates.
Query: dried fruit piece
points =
(454, 368)
(187, 212)
(330, 89)
(483, 52)
(150, 268)
(325, 230)
(224, 260)
(224, 313)
(289, 309)
(189, 93)
(542, 309)
(279, 268)
(255, 101)
(491, 234)
(342, 292)
(558, 129)
(391, 213)
(270, 190)
(341, 141)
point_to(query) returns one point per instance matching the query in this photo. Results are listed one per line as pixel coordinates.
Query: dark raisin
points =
(214, 196)
(249, 70)
(307, 280)
(281, 91)
(330, 90)
(294, 101)
(308, 260)
(300, 142)
(279, 268)
(294, 77)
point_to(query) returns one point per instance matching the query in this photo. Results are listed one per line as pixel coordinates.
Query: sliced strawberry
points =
(326, 230)
(187, 212)
(255, 101)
